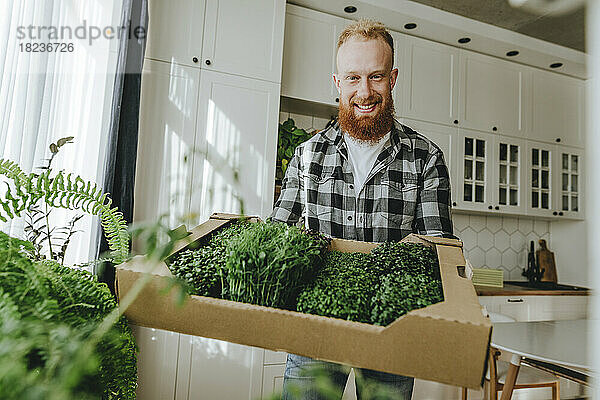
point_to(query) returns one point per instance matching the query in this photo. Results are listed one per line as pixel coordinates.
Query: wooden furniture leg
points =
(511, 377)
(556, 391)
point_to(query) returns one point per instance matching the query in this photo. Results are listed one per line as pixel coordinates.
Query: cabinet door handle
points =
(515, 300)
(490, 207)
(456, 121)
(497, 207)
(207, 62)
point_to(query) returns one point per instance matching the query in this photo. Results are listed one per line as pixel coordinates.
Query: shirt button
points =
(349, 217)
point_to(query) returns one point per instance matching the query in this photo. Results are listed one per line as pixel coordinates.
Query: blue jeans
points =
(309, 379)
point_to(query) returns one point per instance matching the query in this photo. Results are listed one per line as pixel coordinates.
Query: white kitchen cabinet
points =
(493, 94)
(166, 140)
(446, 138)
(429, 88)
(200, 34)
(400, 42)
(156, 362)
(175, 31)
(223, 370)
(475, 171)
(272, 380)
(525, 308)
(552, 308)
(570, 177)
(510, 175)
(490, 173)
(275, 357)
(236, 139)
(521, 308)
(541, 162)
(309, 55)
(220, 125)
(244, 38)
(557, 109)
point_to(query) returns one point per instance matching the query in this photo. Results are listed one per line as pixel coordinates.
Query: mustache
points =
(367, 101)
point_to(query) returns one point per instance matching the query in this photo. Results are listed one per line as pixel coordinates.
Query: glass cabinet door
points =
(474, 171)
(509, 175)
(540, 179)
(570, 167)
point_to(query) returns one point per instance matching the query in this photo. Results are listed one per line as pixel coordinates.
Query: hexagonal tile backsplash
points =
(499, 242)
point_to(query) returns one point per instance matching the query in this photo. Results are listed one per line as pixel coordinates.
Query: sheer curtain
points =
(47, 95)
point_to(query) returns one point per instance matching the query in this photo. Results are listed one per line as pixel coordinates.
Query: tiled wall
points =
(499, 242)
(306, 122)
(489, 241)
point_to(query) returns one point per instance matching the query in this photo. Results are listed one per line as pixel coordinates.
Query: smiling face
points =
(365, 80)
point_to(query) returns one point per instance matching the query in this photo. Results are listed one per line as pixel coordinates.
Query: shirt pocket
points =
(321, 193)
(398, 202)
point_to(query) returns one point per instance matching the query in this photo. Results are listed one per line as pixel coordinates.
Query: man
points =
(366, 177)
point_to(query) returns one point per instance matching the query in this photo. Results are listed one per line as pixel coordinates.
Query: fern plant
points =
(61, 190)
(48, 313)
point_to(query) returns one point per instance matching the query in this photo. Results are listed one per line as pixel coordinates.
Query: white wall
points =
(569, 244)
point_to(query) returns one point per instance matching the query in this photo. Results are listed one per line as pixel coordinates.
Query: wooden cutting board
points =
(546, 262)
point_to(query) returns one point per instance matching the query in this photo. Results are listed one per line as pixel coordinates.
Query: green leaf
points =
(53, 148)
(288, 125)
(178, 233)
(289, 152)
(62, 141)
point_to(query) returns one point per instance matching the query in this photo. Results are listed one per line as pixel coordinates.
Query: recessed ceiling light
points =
(410, 25)
(464, 40)
(556, 65)
(350, 9)
(512, 53)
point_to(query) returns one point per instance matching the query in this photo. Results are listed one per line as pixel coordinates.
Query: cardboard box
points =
(446, 342)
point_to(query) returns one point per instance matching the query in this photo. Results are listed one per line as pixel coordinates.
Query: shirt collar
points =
(398, 137)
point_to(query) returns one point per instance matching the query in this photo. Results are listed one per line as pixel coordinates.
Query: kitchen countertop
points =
(514, 290)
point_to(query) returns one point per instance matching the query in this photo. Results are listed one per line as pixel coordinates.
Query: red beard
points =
(367, 128)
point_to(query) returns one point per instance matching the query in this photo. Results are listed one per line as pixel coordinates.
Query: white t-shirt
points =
(362, 157)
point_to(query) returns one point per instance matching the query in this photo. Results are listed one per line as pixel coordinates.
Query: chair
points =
(528, 377)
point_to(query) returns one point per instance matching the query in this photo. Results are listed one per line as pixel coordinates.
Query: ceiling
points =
(566, 30)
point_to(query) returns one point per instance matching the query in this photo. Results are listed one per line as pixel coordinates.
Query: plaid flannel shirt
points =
(407, 191)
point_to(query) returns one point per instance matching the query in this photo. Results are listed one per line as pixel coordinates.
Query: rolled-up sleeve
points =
(290, 205)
